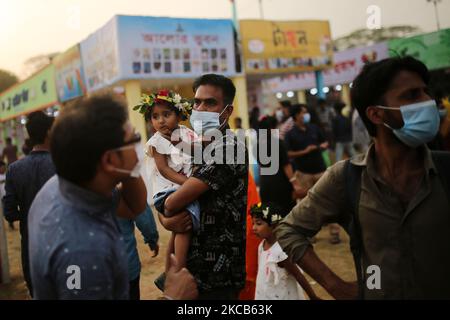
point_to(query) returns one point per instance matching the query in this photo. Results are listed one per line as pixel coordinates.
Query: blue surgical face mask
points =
(306, 118)
(421, 123)
(279, 115)
(203, 121)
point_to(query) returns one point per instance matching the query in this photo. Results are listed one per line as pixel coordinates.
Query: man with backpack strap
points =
(393, 201)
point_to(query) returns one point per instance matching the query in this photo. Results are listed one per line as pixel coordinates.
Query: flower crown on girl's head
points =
(269, 213)
(184, 106)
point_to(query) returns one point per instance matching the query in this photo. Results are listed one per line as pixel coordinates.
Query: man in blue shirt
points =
(145, 222)
(76, 247)
(25, 178)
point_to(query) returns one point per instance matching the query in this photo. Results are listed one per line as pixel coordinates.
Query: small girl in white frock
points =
(278, 278)
(168, 166)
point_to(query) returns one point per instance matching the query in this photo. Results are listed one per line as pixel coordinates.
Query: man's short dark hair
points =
(83, 132)
(217, 80)
(8, 140)
(285, 104)
(296, 109)
(2, 163)
(38, 125)
(267, 123)
(338, 106)
(374, 81)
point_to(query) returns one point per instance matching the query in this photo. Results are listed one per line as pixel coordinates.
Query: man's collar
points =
(83, 198)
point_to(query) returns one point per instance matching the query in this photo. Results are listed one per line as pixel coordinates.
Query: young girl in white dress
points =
(168, 166)
(278, 278)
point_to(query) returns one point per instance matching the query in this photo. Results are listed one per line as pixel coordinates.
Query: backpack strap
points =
(351, 219)
(441, 160)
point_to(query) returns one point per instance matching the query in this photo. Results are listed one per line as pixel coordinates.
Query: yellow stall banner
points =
(286, 46)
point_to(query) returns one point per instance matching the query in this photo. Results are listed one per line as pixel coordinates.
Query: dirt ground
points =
(338, 257)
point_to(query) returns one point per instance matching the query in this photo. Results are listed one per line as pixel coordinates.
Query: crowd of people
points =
(89, 181)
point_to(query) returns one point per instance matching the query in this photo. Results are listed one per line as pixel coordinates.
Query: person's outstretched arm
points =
(323, 204)
(295, 271)
(319, 271)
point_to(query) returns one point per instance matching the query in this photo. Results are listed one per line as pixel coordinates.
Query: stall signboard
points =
(158, 47)
(36, 93)
(69, 74)
(286, 46)
(347, 65)
(100, 57)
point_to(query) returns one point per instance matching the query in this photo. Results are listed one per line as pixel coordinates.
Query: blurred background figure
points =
(442, 140)
(254, 117)
(145, 222)
(237, 123)
(285, 121)
(2, 189)
(281, 188)
(25, 178)
(9, 152)
(326, 115)
(305, 144)
(342, 131)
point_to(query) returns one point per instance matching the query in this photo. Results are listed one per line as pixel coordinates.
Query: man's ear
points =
(375, 115)
(230, 110)
(109, 161)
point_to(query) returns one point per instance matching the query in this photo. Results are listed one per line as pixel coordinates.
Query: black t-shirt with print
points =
(217, 252)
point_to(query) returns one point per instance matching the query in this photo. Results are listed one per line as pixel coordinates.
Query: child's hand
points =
(155, 251)
(179, 223)
(175, 139)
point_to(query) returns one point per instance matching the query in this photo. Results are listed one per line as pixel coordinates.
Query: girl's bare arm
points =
(166, 171)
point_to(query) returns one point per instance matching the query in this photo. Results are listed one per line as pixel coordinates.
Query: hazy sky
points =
(32, 27)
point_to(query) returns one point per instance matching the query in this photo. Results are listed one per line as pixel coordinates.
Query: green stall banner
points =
(35, 93)
(433, 49)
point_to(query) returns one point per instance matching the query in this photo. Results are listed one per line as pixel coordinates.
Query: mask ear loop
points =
(223, 123)
(388, 108)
